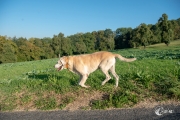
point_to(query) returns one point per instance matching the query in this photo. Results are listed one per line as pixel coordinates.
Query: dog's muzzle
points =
(58, 67)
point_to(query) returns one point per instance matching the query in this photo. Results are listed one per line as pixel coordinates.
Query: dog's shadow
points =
(47, 77)
(39, 76)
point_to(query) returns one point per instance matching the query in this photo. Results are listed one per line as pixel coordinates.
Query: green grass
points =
(37, 85)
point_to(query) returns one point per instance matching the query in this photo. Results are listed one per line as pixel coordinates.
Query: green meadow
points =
(37, 85)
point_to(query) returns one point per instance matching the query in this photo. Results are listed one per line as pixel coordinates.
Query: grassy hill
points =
(173, 44)
(36, 85)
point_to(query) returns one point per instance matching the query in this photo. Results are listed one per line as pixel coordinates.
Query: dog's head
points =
(61, 64)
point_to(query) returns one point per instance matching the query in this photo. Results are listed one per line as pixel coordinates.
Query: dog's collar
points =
(67, 63)
(67, 66)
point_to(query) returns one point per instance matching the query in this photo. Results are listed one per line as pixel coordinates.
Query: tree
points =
(27, 51)
(48, 51)
(56, 44)
(66, 48)
(175, 27)
(100, 41)
(20, 41)
(178, 28)
(105, 40)
(89, 41)
(97, 40)
(8, 50)
(178, 21)
(36, 41)
(122, 38)
(157, 34)
(166, 31)
(78, 43)
(146, 34)
(109, 36)
(2, 42)
(135, 38)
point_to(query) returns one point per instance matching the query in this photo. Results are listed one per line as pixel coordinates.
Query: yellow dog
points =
(88, 63)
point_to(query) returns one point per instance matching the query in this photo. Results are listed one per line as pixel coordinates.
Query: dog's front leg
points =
(83, 80)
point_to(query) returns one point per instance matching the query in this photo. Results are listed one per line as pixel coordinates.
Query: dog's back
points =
(89, 62)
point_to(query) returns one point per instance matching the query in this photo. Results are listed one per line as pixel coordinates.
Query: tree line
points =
(22, 49)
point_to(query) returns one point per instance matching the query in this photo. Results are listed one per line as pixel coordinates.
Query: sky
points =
(46, 18)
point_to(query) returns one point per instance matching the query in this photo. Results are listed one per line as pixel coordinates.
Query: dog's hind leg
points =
(105, 66)
(83, 80)
(112, 70)
(108, 77)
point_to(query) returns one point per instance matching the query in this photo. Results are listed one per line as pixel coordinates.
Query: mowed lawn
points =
(37, 85)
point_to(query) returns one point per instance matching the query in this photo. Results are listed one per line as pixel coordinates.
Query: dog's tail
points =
(124, 59)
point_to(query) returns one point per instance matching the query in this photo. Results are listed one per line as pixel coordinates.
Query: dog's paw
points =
(116, 86)
(88, 86)
(85, 86)
(103, 83)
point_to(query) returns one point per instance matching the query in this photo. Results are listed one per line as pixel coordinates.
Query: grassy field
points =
(36, 85)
